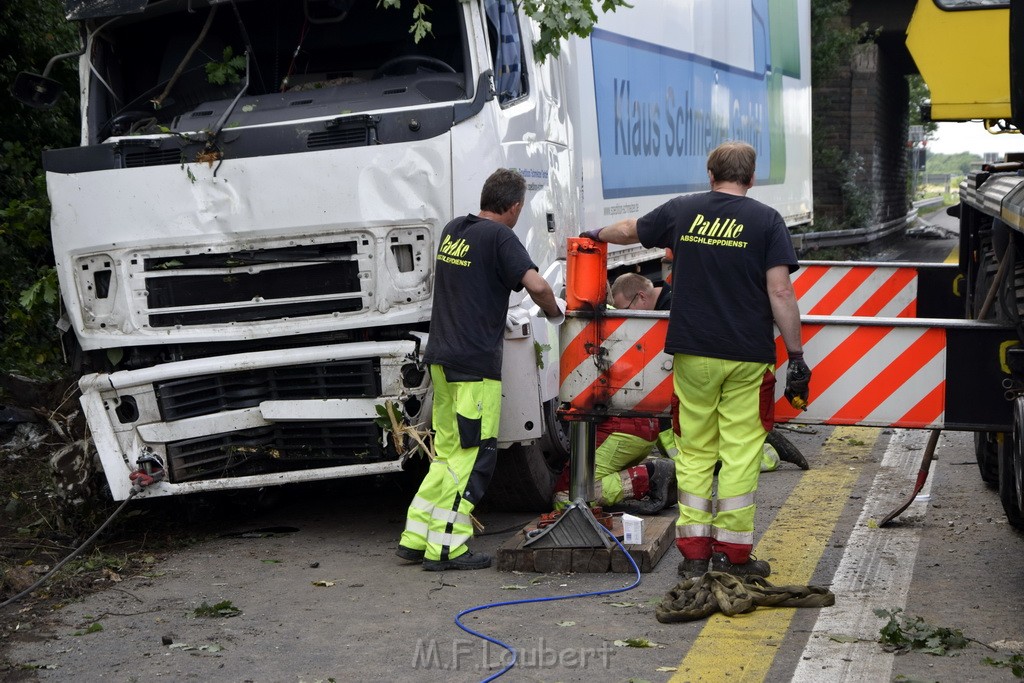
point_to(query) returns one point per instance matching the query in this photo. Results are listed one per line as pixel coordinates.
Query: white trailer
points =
(245, 237)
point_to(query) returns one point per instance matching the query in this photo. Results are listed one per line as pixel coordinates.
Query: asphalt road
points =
(320, 595)
(930, 247)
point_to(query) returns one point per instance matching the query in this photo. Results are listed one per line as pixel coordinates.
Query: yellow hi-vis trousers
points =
(724, 412)
(465, 421)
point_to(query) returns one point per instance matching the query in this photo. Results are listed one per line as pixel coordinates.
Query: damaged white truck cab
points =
(245, 237)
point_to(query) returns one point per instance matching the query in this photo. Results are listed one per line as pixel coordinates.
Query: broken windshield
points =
(186, 60)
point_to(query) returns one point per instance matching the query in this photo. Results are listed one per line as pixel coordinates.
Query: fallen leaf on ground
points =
(636, 642)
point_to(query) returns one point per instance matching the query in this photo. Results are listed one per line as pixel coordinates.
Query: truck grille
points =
(153, 157)
(265, 284)
(208, 394)
(275, 448)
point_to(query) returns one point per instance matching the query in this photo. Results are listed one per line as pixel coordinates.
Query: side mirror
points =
(36, 91)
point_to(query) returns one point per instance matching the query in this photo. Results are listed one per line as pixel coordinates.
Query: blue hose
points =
(510, 649)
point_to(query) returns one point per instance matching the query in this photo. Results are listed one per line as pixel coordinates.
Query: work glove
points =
(516, 320)
(798, 380)
(592, 234)
(537, 312)
(560, 318)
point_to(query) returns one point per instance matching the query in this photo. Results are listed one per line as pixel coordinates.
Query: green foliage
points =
(31, 32)
(539, 350)
(28, 286)
(228, 70)
(903, 634)
(954, 164)
(420, 26)
(1015, 664)
(919, 97)
(849, 168)
(43, 291)
(832, 40)
(832, 43)
(94, 627)
(224, 608)
(558, 19)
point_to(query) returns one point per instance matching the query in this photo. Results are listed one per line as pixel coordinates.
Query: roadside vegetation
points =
(31, 32)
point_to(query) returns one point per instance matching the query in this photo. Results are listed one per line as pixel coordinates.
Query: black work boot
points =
(752, 567)
(787, 450)
(691, 569)
(663, 480)
(409, 554)
(661, 489)
(467, 560)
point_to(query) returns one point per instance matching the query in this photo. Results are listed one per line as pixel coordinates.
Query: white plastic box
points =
(632, 529)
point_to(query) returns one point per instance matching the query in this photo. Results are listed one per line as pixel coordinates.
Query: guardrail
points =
(846, 238)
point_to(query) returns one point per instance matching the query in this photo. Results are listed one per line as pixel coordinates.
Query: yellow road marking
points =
(954, 256)
(742, 648)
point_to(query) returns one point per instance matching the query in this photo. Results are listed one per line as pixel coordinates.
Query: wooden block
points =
(569, 560)
(511, 559)
(659, 536)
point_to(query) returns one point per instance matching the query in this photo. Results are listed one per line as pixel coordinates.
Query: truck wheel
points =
(986, 450)
(1010, 469)
(556, 437)
(522, 482)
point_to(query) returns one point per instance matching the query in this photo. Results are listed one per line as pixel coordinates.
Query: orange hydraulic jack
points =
(580, 526)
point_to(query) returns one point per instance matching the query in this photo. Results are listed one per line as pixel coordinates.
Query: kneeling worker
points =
(624, 477)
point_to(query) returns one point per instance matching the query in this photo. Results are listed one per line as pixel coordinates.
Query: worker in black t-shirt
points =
(732, 259)
(479, 263)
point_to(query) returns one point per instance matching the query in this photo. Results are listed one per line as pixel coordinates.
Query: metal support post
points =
(582, 460)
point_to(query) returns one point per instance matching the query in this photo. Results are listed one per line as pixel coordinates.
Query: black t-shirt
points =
(722, 247)
(479, 263)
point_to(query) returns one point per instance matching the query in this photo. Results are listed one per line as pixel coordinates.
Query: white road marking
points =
(874, 573)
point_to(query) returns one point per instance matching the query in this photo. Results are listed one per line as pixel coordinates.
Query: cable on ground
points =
(75, 553)
(510, 649)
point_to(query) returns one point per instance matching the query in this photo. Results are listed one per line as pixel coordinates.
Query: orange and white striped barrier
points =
(856, 290)
(881, 290)
(877, 374)
(884, 372)
(875, 361)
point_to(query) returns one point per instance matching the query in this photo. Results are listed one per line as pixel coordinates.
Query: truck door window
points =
(506, 49)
